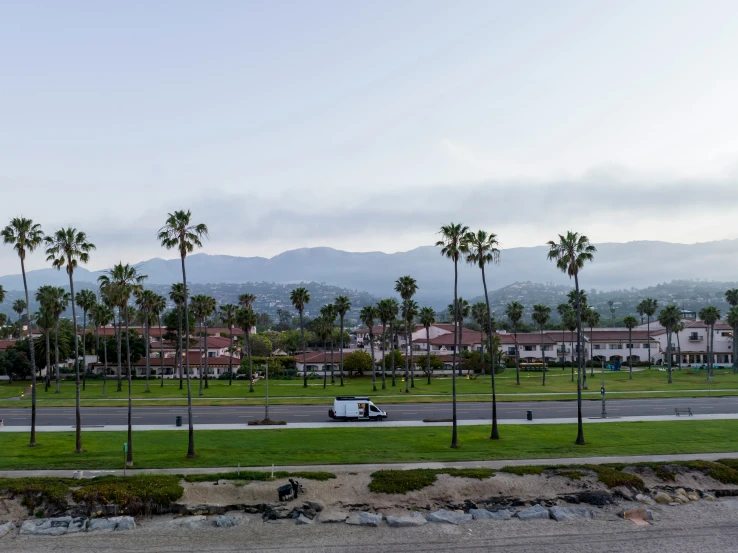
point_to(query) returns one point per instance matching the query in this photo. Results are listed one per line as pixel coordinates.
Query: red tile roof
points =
(467, 338)
(616, 335)
(526, 338)
(5, 344)
(320, 357)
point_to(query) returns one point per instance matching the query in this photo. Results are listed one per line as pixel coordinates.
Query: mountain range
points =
(616, 266)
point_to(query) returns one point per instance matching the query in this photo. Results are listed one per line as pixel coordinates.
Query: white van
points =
(356, 408)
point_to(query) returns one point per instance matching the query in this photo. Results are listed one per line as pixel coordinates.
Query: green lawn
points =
(162, 449)
(292, 391)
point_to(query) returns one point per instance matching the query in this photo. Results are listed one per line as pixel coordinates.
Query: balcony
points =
(695, 338)
(563, 350)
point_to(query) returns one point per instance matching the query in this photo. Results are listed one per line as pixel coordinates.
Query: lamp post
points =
(266, 407)
(602, 389)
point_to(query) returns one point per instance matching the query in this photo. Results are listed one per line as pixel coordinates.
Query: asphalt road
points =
(103, 416)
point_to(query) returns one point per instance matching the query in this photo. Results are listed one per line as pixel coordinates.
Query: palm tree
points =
(343, 306)
(479, 316)
(669, 318)
(570, 254)
(367, 316)
(86, 300)
(158, 307)
(731, 297)
(453, 247)
(198, 308)
(228, 316)
(210, 306)
(387, 310)
(406, 286)
(514, 312)
(570, 324)
(396, 326)
(246, 300)
(592, 319)
(541, 315)
(679, 328)
(19, 306)
(67, 248)
(179, 233)
(45, 319)
(323, 329)
(630, 323)
(648, 308)
(102, 314)
(409, 312)
(246, 319)
(562, 309)
(299, 298)
(203, 307)
(177, 295)
(427, 318)
(25, 236)
(123, 281)
(146, 302)
(54, 302)
(710, 315)
(328, 312)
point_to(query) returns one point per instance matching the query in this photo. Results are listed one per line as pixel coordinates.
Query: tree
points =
(541, 315)
(67, 248)
(246, 320)
(669, 318)
(157, 309)
(247, 300)
(178, 232)
(562, 309)
(261, 345)
(514, 312)
(570, 254)
(648, 308)
(228, 316)
(102, 315)
(202, 306)
(328, 313)
(367, 316)
(710, 315)
(299, 298)
(177, 295)
(123, 281)
(678, 329)
(146, 301)
(433, 363)
(25, 236)
(323, 330)
(427, 318)
(54, 301)
(343, 306)
(630, 323)
(19, 306)
(611, 306)
(387, 310)
(406, 286)
(409, 312)
(85, 300)
(731, 296)
(358, 361)
(453, 247)
(592, 319)
(45, 320)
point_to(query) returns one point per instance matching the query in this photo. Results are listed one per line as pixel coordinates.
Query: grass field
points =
(155, 449)
(292, 392)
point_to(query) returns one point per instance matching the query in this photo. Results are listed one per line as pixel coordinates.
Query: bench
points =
(679, 412)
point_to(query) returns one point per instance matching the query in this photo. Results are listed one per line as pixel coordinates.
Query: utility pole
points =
(602, 390)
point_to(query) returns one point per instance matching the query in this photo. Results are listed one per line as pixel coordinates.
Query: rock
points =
(484, 514)
(302, 519)
(661, 497)
(682, 499)
(535, 512)
(709, 497)
(570, 513)
(6, 528)
(223, 521)
(196, 521)
(681, 491)
(124, 523)
(102, 525)
(649, 515)
(333, 516)
(77, 524)
(309, 513)
(644, 499)
(363, 518)
(404, 521)
(449, 517)
(693, 496)
(316, 506)
(598, 498)
(45, 526)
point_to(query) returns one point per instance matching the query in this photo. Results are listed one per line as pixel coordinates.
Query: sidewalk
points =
(383, 424)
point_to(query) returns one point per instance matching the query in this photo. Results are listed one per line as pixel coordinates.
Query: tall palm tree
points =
(541, 315)
(45, 320)
(570, 324)
(387, 310)
(102, 315)
(197, 307)
(25, 236)
(570, 254)
(124, 281)
(328, 312)
(591, 319)
(210, 306)
(158, 307)
(177, 295)
(228, 316)
(427, 318)
(732, 319)
(343, 306)
(246, 319)
(630, 323)
(179, 233)
(86, 300)
(146, 302)
(562, 309)
(409, 312)
(323, 329)
(453, 247)
(203, 307)
(247, 300)
(406, 286)
(678, 329)
(299, 298)
(19, 306)
(396, 326)
(479, 316)
(367, 316)
(669, 317)
(710, 315)
(731, 296)
(54, 301)
(67, 248)
(514, 312)
(648, 308)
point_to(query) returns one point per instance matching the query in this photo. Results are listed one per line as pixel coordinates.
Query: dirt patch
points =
(12, 510)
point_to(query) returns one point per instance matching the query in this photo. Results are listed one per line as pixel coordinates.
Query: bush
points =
(258, 476)
(403, 481)
(132, 494)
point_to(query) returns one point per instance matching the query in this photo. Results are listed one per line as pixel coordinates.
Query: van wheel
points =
(379, 418)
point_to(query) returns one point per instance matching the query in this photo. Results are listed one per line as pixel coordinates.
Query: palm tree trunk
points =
(580, 426)
(161, 351)
(230, 356)
(333, 380)
(517, 356)
(591, 350)
(129, 456)
(84, 340)
(248, 352)
(340, 343)
(56, 354)
(454, 431)
(648, 330)
(630, 354)
(325, 354)
(392, 349)
(384, 353)
(191, 426)
(427, 352)
(105, 365)
(206, 354)
(147, 330)
(48, 359)
(668, 354)
(32, 352)
(120, 350)
(77, 411)
(304, 356)
(543, 357)
(199, 364)
(374, 365)
(407, 356)
(180, 351)
(412, 362)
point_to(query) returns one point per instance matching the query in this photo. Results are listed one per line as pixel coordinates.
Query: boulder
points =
(124, 523)
(223, 521)
(102, 525)
(682, 499)
(45, 526)
(302, 519)
(5, 528)
(364, 518)
(570, 513)
(333, 516)
(709, 497)
(449, 517)
(77, 524)
(681, 491)
(404, 521)
(536, 512)
(693, 496)
(484, 514)
(661, 497)
(598, 498)
(316, 506)
(196, 521)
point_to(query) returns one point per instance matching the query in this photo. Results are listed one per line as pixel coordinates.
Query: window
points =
(596, 346)
(530, 348)
(634, 346)
(547, 348)
(511, 351)
(646, 346)
(616, 346)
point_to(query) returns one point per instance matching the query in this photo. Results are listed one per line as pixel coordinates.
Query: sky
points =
(367, 125)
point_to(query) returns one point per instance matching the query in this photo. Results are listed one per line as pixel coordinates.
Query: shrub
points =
(132, 493)
(403, 481)
(524, 470)
(258, 476)
(719, 471)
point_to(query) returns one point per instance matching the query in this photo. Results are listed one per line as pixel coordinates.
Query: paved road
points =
(98, 416)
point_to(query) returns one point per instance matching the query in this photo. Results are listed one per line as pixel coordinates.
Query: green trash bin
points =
(529, 415)
(179, 420)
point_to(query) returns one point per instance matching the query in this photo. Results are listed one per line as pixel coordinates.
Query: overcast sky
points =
(367, 125)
